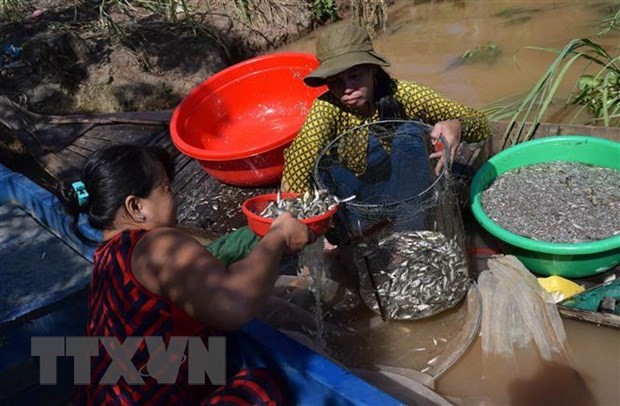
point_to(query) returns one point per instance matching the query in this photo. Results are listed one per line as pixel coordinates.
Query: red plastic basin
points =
(260, 225)
(238, 122)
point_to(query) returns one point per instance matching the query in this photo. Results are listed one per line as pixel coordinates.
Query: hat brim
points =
(341, 63)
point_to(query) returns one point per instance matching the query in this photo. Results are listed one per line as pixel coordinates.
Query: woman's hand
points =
(451, 132)
(296, 234)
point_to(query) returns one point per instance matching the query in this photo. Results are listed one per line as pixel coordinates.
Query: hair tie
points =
(82, 194)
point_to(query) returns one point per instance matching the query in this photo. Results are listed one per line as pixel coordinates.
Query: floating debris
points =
(307, 205)
(567, 202)
(517, 15)
(416, 274)
(488, 53)
(511, 12)
(598, 94)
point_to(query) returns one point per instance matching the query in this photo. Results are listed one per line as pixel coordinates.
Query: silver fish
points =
(307, 205)
(417, 273)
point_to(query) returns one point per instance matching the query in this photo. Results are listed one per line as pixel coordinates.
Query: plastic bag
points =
(518, 311)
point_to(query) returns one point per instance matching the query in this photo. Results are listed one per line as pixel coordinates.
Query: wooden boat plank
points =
(140, 118)
(101, 137)
(187, 172)
(181, 162)
(210, 207)
(92, 144)
(186, 175)
(134, 134)
(177, 156)
(55, 138)
(15, 116)
(193, 178)
(75, 156)
(186, 180)
(124, 133)
(155, 139)
(603, 319)
(70, 158)
(183, 165)
(195, 199)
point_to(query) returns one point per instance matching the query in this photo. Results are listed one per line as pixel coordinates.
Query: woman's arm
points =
(453, 121)
(172, 263)
(423, 102)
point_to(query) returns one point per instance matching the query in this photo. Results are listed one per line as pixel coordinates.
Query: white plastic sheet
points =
(517, 312)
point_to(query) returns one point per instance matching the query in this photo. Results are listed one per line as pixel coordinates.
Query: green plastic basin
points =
(546, 258)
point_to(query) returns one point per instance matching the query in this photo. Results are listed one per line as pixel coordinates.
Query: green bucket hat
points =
(339, 48)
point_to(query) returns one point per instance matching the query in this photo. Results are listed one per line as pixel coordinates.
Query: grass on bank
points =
(11, 10)
(599, 94)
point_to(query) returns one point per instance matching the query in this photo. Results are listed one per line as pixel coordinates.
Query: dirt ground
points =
(73, 60)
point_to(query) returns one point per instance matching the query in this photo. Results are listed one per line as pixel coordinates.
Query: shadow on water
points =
(554, 384)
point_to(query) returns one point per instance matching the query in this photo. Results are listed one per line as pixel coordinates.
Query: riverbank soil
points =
(61, 57)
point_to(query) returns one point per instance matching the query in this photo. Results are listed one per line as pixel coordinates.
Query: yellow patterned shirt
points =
(328, 119)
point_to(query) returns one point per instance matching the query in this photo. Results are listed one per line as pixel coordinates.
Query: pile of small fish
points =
(566, 202)
(416, 274)
(307, 205)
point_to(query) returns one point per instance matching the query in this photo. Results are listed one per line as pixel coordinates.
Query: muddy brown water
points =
(595, 356)
(423, 41)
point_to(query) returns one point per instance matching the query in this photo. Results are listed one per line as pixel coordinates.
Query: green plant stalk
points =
(241, 7)
(323, 10)
(542, 93)
(529, 102)
(605, 99)
(551, 92)
(11, 10)
(583, 97)
(612, 23)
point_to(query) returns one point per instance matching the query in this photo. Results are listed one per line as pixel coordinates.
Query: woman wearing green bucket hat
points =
(361, 91)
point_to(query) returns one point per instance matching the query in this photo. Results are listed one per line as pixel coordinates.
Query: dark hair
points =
(387, 105)
(110, 175)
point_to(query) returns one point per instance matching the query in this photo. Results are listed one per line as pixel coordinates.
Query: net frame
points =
(382, 213)
(439, 198)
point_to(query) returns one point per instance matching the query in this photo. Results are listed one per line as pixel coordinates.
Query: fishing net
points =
(404, 223)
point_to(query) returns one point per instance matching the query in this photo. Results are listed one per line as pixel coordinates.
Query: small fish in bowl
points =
(315, 209)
